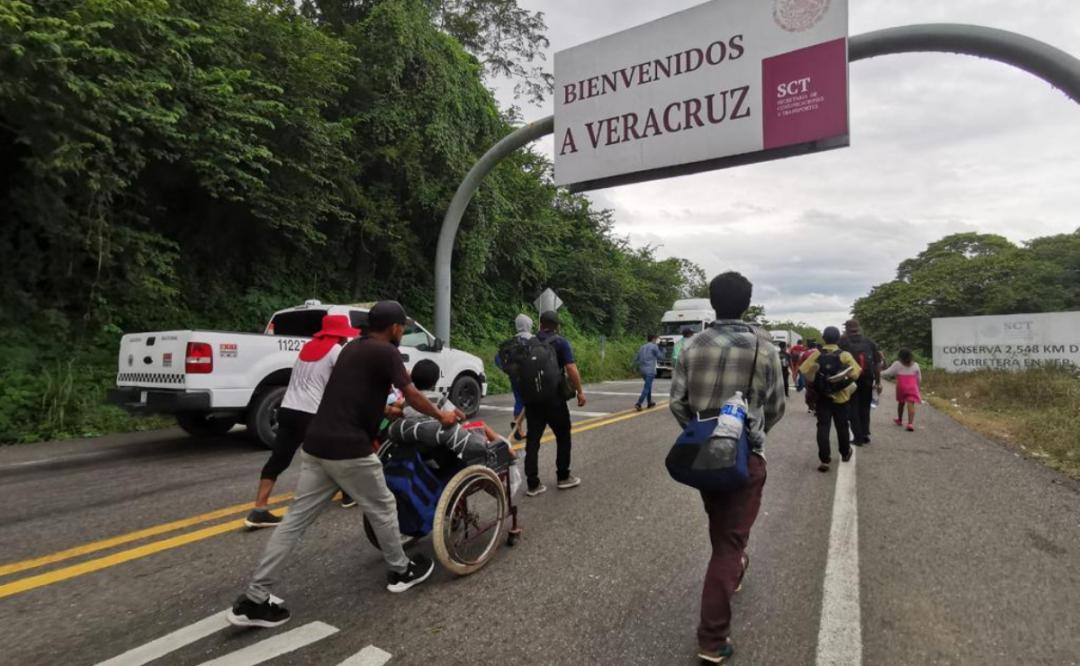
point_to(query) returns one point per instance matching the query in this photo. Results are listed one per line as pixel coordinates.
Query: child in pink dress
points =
(908, 380)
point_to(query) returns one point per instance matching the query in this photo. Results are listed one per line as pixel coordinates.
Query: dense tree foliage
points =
(179, 163)
(972, 274)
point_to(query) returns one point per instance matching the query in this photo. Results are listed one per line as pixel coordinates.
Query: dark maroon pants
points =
(731, 515)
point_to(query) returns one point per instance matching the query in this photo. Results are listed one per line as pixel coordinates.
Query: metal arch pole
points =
(1049, 63)
(444, 253)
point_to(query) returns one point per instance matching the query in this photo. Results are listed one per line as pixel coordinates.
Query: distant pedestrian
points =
(795, 352)
(866, 354)
(337, 452)
(676, 351)
(908, 387)
(523, 331)
(833, 373)
(646, 359)
(810, 395)
(785, 365)
(551, 410)
(714, 365)
(309, 375)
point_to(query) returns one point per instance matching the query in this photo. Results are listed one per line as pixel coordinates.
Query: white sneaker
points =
(533, 492)
(568, 483)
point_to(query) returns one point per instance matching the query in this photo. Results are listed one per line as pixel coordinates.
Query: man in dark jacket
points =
(866, 354)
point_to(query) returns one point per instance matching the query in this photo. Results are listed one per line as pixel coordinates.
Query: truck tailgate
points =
(153, 360)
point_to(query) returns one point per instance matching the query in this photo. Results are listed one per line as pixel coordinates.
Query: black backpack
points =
(533, 366)
(829, 365)
(864, 353)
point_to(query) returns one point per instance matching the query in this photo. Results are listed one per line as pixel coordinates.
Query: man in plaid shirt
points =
(713, 365)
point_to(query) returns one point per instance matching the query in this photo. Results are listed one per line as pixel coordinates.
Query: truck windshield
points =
(676, 327)
(297, 323)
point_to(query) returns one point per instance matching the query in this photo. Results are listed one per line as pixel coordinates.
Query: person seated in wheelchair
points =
(472, 443)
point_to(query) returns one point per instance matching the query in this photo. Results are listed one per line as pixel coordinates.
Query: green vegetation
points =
(1036, 412)
(971, 274)
(183, 163)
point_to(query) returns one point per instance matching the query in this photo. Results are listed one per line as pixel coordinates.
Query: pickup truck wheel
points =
(262, 415)
(465, 394)
(203, 424)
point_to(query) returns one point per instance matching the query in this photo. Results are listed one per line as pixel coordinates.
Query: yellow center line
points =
(145, 550)
(90, 566)
(112, 542)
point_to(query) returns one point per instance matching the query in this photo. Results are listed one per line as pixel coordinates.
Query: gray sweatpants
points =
(360, 478)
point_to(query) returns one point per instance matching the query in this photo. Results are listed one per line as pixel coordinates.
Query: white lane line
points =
(369, 656)
(840, 632)
(500, 408)
(170, 643)
(275, 646)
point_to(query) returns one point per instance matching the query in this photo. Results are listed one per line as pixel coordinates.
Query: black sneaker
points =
(247, 613)
(347, 502)
(823, 467)
(261, 518)
(419, 570)
(844, 457)
(652, 405)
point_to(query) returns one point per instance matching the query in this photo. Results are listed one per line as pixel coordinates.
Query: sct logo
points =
(792, 88)
(1020, 326)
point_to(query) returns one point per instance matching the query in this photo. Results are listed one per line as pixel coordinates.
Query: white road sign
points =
(724, 83)
(1007, 342)
(548, 301)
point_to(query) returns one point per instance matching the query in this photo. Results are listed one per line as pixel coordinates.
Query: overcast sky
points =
(939, 144)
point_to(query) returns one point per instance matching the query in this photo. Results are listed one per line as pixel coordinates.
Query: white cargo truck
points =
(692, 314)
(212, 380)
(790, 337)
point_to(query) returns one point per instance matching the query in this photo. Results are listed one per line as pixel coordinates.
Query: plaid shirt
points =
(716, 362)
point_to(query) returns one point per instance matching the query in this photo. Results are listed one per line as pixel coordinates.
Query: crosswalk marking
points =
(170, 643)
(275, 646)
(369, 656)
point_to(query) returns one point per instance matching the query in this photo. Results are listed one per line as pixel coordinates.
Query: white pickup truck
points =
(213, 380)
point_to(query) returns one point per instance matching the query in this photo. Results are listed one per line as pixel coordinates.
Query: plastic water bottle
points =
(732, 418)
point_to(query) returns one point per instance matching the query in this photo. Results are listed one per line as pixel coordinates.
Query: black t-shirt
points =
(354, 401)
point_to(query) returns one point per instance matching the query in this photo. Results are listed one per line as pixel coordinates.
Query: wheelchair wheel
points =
(469, 520)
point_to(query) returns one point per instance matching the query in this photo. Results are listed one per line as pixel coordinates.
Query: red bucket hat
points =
(337, 326)
(334, 328)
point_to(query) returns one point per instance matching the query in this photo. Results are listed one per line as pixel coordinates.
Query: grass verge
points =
(1035, 412)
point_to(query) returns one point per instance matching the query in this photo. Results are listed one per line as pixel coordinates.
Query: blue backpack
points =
(701, 461)
(417, 491)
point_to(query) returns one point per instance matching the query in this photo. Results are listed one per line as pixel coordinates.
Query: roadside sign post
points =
(548, 301)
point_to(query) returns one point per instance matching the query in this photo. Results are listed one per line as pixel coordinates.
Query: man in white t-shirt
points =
(309, 376)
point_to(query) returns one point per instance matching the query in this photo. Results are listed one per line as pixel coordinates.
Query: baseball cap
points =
(385, 314)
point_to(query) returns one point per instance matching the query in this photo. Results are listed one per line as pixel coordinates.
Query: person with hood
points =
(523, 331)
(302, 397)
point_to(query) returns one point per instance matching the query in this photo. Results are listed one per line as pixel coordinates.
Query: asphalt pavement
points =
(946, 549)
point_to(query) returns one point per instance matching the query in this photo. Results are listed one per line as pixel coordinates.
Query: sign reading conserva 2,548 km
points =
(1007, 342)
(725, 83)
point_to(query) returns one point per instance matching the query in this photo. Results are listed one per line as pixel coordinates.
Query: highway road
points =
(933, 547)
